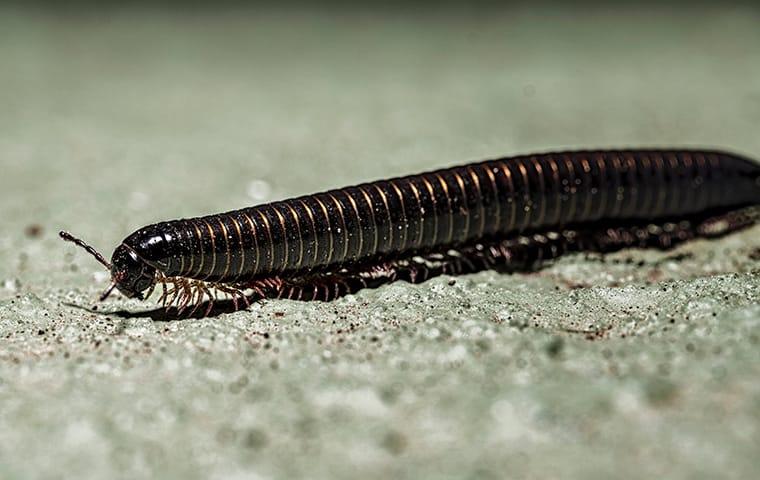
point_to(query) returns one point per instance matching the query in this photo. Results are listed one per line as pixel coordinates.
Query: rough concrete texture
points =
(639, 364)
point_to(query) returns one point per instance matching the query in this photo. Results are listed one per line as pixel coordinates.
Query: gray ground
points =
(642, 364)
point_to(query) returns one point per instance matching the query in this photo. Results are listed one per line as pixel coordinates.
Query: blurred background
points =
(114, 115)
(193, 108)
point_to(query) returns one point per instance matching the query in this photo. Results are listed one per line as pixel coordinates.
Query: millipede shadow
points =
(162, 314)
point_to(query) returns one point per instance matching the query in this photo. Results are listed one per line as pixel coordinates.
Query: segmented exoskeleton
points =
(508, 213)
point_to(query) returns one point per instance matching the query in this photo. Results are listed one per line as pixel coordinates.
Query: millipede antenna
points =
(108, 291)
(71, 238)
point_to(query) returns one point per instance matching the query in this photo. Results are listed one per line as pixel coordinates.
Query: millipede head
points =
(129, 273)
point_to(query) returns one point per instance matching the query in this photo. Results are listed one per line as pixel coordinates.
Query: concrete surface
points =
(640, 364)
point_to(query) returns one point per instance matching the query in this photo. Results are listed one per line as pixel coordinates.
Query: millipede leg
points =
(188, 295)
(198, 297)
(729, 222)
(164, 294)
(150, 290)
(185, 297)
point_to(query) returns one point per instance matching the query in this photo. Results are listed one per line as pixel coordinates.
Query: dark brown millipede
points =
(509, 214)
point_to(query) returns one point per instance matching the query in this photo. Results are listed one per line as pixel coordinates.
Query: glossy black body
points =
(446, 208)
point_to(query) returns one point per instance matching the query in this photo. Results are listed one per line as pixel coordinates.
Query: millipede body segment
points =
(355, 232)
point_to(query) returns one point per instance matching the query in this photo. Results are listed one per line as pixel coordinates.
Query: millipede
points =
(510, 214)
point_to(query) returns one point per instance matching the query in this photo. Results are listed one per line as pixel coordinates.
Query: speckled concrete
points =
(639, 364)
